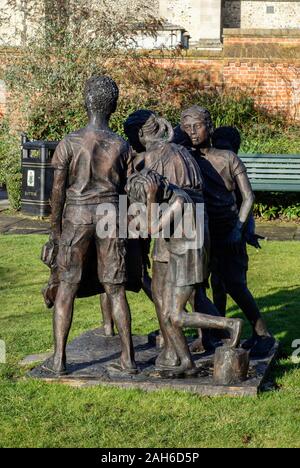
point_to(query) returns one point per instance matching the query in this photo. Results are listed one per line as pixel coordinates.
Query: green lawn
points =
(35, 414)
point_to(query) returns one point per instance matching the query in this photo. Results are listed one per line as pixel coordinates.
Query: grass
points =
(36, 414)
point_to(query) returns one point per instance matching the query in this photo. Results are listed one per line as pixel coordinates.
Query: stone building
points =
(202, 21)
(276, 14)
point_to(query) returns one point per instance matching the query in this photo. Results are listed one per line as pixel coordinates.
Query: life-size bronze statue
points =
(223, 172)
(229, 138)
(91, 167)
(184, 268)
(152, 137)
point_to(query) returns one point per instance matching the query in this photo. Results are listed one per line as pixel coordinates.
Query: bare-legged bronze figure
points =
(91, 166)
(152, 137)
(182, 274)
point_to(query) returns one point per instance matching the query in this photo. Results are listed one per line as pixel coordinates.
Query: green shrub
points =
(271, 206)
(10, 166)
(13, 183)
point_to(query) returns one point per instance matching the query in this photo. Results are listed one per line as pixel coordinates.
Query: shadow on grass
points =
(284, 321)
(280, 370)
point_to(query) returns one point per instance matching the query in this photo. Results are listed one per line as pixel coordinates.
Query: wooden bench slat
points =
(257, 187)
(266, 162)
(271, 176)
(276, 171)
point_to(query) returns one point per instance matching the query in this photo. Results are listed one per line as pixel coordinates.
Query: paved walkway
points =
(277, 230)
(20, 224)
(11, 223)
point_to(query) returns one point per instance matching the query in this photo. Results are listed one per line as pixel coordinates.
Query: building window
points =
(270, 10)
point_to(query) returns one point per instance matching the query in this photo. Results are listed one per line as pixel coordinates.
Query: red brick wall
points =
(266, 64)
(274, 86)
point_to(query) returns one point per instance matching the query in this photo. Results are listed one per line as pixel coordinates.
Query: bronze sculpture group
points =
(191, 165)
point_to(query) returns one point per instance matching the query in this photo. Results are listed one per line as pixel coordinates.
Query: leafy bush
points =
(10, 164)
(13, 182)
(277, 205)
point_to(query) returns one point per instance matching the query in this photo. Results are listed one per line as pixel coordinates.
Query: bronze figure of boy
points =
(91, 166)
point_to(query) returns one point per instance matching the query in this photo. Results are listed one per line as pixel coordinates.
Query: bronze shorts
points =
(78, 235)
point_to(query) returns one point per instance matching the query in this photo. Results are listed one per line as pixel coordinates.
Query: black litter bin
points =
(37, 176)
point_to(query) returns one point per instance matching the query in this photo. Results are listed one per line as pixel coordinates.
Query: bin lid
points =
(38, 144)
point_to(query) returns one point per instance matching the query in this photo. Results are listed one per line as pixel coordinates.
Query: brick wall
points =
(263, 63)
(266, 64)
(275, 86)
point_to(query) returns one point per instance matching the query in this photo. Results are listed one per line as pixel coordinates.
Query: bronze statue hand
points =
(152, 189)
(253, 240)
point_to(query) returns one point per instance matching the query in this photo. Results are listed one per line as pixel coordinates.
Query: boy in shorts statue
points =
(91, 166)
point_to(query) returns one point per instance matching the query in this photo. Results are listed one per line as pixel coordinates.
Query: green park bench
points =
(267, 172)
(273, 172)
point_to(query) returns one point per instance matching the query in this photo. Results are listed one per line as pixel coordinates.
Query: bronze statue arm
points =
(163, 223)
(248, 197)
(236, 235)
(57, 202)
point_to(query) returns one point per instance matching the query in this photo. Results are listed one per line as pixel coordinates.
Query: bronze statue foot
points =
(57, 368)
(117, 368)
(177, 372)
(248, 344)
(235, 328)
(108, 331)
(167, 359)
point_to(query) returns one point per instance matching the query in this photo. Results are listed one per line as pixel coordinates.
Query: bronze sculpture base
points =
(92, 357)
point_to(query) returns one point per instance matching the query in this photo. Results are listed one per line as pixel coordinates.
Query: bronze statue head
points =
(227, 138)
(144, 127)
(101, 95)
(197, 123)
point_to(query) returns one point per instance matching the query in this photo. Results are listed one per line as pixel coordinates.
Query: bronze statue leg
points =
(168, 357)
(108, 323)
(206, 340)
(174, 301)
(219, 293)
(62, 320)
(118, 304)
(199, 320)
